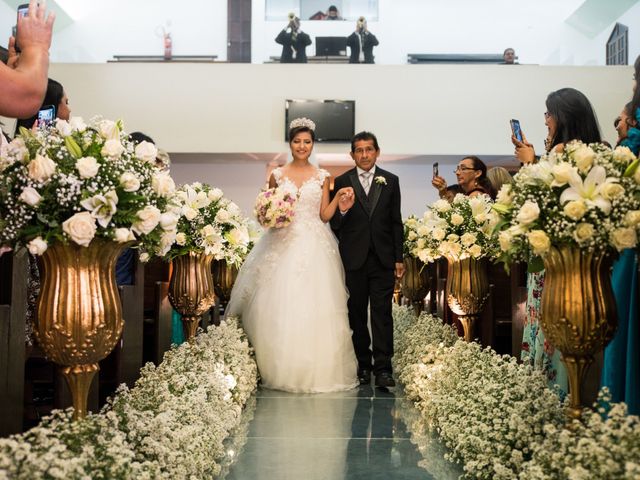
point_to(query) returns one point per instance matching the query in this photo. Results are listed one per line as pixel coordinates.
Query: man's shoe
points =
(364, 376)
(385, 380)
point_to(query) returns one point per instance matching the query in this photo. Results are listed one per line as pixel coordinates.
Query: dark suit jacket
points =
(370, 41)
(373, 223)
(300, 44)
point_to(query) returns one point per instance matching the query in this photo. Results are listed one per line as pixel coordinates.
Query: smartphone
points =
(46, 116)
(435, 170)
(22, 12)
(515, 128)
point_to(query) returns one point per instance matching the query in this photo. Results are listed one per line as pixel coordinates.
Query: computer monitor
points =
(331, 46)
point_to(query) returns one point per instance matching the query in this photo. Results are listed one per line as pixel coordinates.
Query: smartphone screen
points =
(435, 170)
(46, 115)
(515, 128)
(22, 12)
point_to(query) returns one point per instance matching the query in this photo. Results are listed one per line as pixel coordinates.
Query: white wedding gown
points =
(291, 297)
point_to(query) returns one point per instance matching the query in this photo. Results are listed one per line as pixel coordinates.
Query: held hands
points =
(346, 199)
(524, 150)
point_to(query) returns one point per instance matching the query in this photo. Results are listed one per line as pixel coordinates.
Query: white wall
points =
(415, 109)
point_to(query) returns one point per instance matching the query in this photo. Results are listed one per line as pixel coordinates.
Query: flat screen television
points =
(334, 119)
(331, 46)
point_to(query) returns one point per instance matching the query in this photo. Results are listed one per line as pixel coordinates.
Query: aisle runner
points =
(348, 435)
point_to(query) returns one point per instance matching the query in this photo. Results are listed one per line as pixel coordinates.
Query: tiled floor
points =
(339, 436)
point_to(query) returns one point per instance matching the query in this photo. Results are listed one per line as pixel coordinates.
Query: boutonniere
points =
(380, 180)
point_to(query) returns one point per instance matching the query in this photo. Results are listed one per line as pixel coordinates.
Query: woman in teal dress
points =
(569, 116)
(621, 369)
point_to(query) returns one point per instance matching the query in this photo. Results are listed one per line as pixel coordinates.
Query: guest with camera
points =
(361, 43)
(294, 42)
(23, 80)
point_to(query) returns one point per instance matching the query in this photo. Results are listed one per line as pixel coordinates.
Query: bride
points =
(290, 292)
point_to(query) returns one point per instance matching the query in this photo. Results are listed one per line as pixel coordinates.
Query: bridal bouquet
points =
(275, 208)
(587, 196)
(460, 230)
(74, 182)
(208, 222)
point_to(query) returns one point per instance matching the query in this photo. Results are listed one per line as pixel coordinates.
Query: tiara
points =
(302, 122)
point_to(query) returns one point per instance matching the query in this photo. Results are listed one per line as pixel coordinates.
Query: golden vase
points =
(415, 282)
(79, 311)
(578, 311)
(191, 289)
(224, 276)
(467, 290)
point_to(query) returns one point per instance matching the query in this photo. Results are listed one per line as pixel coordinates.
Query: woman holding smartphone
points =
(569, 116)
(471, 174)
(55, 97)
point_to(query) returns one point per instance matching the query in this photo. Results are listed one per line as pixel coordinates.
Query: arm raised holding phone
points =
(524, 150)
(23, 81)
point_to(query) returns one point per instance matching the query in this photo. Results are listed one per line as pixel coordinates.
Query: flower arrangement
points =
(498, 418)
(460, 230)
(587, 196)
(275, 208)
(74, 182)
(170, 425)
(206, 221)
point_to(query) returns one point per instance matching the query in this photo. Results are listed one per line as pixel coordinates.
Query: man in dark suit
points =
(370, 235)
(361, 43)
(294, 43)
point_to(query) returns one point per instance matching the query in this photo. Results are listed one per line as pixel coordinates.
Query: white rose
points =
(233, 209)
(612, 190)
(181, 239)
(468, 239)
(562, 173)
(583, 232)
(109, 130)
(222, 216)
(624, 238)
(30, 196)
(412, 235)
(63, 127)
(78, 124)
(438, 234)
(575, 209)
(539, 241)
(584, 157)
(215, 194)
(423, 231)
(163, 184)
(475, 251)
(81, 228)
(505, 238)
(144, 257)
(529, 213)
(37, 246)
(148, 219)
(457, 219)
(112, 149)
(442, 205)
(623, 155)
(123, 235)
(41, 168)
(87, 167)
(146, 151)
(632, 218)
(421, 243)
(190, 213)
(452, 237)
(169, 221)
(129, 182)
(166, 241)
